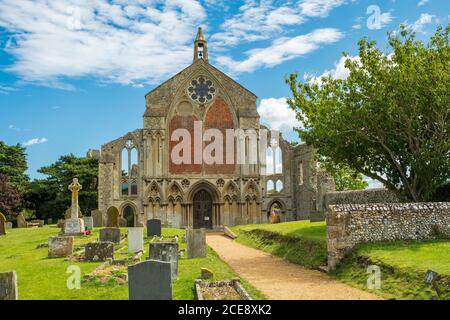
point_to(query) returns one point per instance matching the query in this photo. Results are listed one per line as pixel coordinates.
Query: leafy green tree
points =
(390, 119)
(50, 197)
(344, 177)
(13, 163)
(10, 197)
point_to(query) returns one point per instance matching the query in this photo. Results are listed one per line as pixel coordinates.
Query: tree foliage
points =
(10, 197)
(344, 177)
(13, 164)
(50, 197)
(390, 119)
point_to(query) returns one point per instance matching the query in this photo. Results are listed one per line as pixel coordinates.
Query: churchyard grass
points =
(43, 278)
(300, 242)
(403, 264)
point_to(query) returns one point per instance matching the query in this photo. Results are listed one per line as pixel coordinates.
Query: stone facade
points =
(350, 224)
(138, 181)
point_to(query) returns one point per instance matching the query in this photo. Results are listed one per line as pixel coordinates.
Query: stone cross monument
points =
(74, 225)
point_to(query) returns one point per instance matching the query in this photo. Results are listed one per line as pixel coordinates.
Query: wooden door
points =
(202, 210)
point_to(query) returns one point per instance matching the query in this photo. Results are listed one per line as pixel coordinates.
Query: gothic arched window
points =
(270, 186)
(129, 169)
(279, 186)
(278, 160)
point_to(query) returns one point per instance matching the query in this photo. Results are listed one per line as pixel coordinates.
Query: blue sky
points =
(73, 74)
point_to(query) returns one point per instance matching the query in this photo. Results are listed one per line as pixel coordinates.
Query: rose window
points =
(201, 90)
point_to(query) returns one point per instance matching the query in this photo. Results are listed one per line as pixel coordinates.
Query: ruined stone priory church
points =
(137, 180)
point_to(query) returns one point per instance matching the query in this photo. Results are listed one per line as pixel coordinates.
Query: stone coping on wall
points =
(350, 224)
(349, 208)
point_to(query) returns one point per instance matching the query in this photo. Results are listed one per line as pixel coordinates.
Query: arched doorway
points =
(202, 210)
(275, 211)
(128, 215)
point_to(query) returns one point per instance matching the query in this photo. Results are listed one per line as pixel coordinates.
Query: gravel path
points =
(278, 279)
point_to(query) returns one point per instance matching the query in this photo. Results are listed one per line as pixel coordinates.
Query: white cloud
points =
(419, 24)
(127, 42)
(422, 3)
(318, 8)
(339, 71)
(385, 19)
(6, 89)
(281, 50)
(34, 141)
(277, 114)
(256, 21)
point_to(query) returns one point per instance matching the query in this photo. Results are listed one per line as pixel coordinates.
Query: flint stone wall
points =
(350, 224)
(379, 195)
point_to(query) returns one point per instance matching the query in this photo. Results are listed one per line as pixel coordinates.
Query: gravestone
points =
(60, 247)
(150, 280)
(112, 218)
(9, 225)
(88, 223)
(196, 243)
(68, 213)
(60, 223)
(153, 228)
(206, 274)
(99, 251)
(8, 286)
(122, 222)
(110, 234)
(21, 222)
(135, 239)
(2, 224)
(49, 221)
(97, 216)
(165, 251)
(74, 225)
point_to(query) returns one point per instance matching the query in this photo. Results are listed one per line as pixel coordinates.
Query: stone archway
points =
(203, 207)
(128, 214)
(112, 217)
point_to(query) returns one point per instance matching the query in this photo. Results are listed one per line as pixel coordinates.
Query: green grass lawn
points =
(403, 263)
(43, 278)
(300, 242)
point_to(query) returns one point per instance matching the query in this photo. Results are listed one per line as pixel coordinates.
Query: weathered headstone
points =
(196, 243)
(49, 221)
(2, 224)
(60, 247)
(21, 222)
(150, 280)
(112, 218)
(165, 251)
(74, 225)
(8, 286)
(99, 251)
(38, 223)
(88, 223)
(9, 225)
(135, 239)
(227, 231)
(68, 213)
(153, 228)
(60, 223)
(206, 273)
(110, 234)
(97, 216)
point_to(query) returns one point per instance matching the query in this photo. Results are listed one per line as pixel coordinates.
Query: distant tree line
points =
(48, 197)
